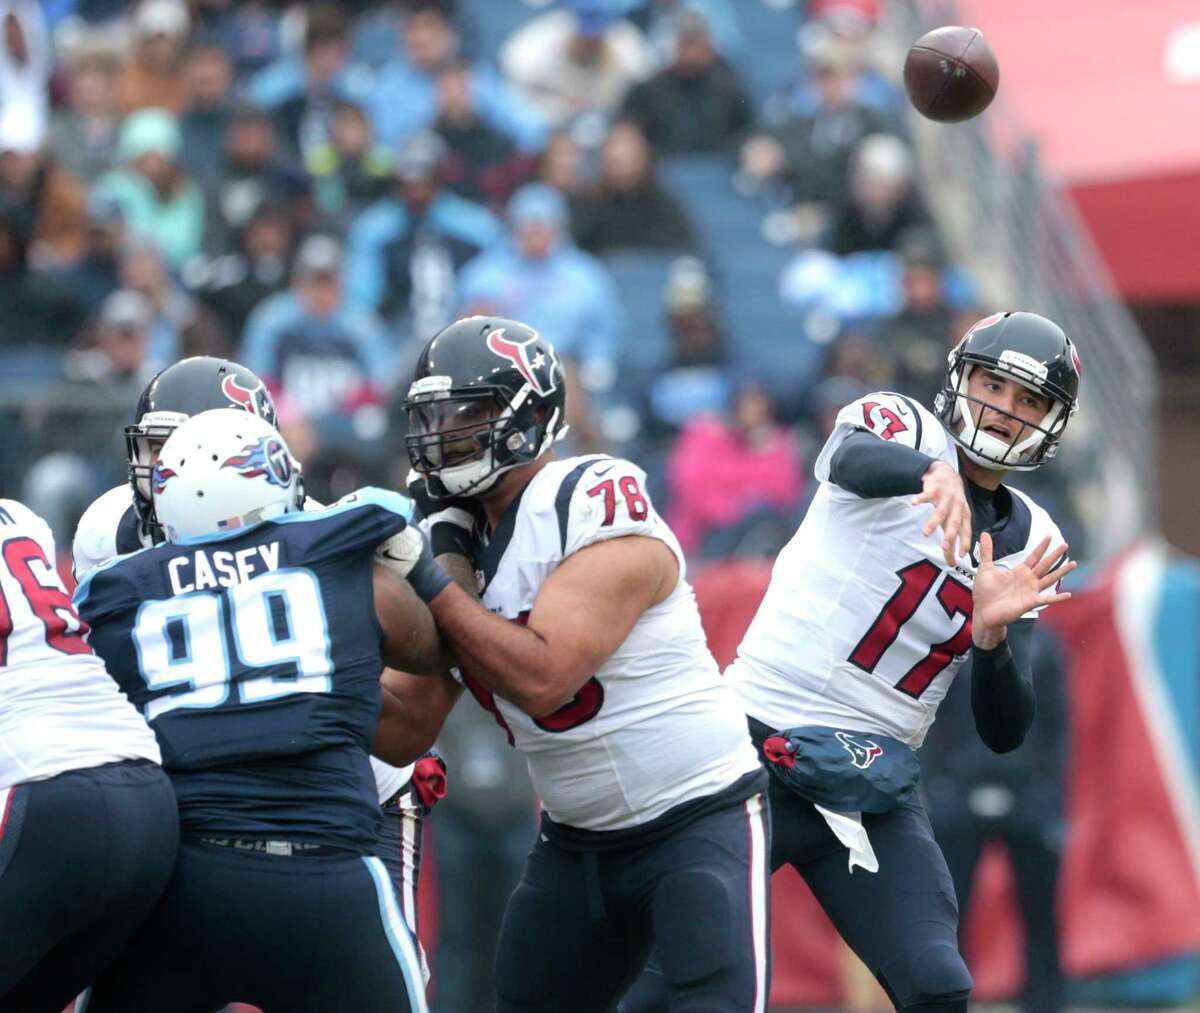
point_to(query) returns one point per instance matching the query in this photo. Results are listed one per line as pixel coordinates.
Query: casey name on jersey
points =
(210, 568)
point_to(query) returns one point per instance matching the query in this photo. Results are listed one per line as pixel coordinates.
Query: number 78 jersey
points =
(864, 626)
(656, 725)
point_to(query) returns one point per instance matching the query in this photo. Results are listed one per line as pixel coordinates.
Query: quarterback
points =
(872, 608)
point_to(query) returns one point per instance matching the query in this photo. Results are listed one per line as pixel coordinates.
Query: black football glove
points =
(452, 521)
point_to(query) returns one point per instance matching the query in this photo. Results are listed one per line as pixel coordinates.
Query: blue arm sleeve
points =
(1002, 698)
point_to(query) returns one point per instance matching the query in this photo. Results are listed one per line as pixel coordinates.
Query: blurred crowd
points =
(711, 207)
(723, 234)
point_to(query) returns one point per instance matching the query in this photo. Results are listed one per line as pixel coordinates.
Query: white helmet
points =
(220, 470)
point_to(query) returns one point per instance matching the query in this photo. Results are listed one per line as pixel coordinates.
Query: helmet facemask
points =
(143, 441)
(1033, 443)
(462, 441)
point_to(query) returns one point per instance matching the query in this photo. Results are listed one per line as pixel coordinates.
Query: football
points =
(951, 74)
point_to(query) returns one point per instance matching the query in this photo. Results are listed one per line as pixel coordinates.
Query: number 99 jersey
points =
(254, 656)
(656, 725)
(864, 626)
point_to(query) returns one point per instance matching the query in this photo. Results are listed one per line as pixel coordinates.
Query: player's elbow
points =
(1002, 740)
(544, 698)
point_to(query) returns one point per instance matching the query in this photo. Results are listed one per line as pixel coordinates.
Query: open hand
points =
(943, 487)
(1003, 596)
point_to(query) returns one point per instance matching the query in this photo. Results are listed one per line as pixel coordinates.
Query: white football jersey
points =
(59, 708)
(109, 527)
(657, 725)
(864, 625)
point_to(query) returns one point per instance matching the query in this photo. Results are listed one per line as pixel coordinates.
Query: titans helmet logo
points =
(159, 478)
(266, 458)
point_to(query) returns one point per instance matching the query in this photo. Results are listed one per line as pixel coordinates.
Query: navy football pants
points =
(401, 836)
(902, 921)
(288, 934)
(579, 926)
(83, 858)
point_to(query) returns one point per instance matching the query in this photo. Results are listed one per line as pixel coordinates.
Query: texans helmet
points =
(487, 395)
(187, 388)
(1036, 353)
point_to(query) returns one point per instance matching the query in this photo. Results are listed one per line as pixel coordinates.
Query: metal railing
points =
(1007, 222)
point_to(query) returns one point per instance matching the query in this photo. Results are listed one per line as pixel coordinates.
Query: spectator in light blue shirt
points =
(323, 69)
(405, 93)
(541, 277)
(405, 250)
(323, 357)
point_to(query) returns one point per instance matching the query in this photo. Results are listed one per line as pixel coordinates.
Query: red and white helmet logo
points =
(983, 324)
(243, 397)
(518, 353)
(1075, 362)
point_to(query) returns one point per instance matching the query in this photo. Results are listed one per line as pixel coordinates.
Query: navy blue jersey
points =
(254, 656)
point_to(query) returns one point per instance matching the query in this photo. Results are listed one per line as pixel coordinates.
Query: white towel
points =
(848, 828)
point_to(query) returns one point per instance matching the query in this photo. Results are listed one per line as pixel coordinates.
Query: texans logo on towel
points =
(863, 752)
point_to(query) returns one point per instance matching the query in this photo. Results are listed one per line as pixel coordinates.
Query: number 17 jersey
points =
(864, 626)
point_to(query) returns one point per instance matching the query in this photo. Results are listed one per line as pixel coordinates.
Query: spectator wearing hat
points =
(581, 58)
(46, 203)
(407, 90)
(627, 209)
(809, 152)
(204, 121)
(481, 163)
(538, 275)
(153, 76)
(881, 203)
(330, 363)
(321, 354)
(696, 379)
(121, 345)
(695, 104)
(157, 196)
(84, 132)
(405, 251)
